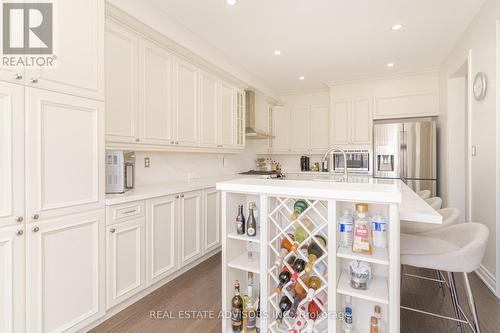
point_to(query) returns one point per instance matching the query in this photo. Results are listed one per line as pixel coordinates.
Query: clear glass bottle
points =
(361, 238)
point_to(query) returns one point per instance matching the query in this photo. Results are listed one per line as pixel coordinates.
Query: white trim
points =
(497, 92)
(397, 75)
(488, 278)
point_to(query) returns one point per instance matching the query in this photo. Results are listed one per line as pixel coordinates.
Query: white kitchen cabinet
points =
(156, 94)
(125, 260)
(79, 47)
(281, 121)
(161, 228)
(319, 132)
(65, 272)
(352, 122)
(186, 111)
(299, 127)
(211, 220)
(122, 84)
(12, 74)
(190, 226)
(12, 278)
(240, 119)
(209, 110)
(65, 154)
(11, 154)
(227, 114)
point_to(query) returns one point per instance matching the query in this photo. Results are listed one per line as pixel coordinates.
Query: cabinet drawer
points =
(124, 212)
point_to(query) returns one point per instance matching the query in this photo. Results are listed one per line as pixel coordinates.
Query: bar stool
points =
(450, 216)
(435, 202)
(456, 249)
(425, 194)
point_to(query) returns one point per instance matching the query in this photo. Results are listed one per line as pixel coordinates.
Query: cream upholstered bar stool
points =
(435, 202)
(456, 249)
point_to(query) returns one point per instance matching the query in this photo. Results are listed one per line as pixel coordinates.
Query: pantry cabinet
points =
(352, 121)
(211, 220)
(125, 260)
(190, 222)
(161, 227)
(122, 83)
(12, 277)
(63, 130)
(65, 272)
(79, 48)
(11, 154)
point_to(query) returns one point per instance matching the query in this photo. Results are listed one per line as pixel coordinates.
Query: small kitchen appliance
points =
(120, 171)
(304, 163)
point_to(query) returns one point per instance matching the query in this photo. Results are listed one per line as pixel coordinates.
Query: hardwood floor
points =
(200, 289)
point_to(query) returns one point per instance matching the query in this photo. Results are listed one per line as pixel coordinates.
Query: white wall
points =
(480, 40)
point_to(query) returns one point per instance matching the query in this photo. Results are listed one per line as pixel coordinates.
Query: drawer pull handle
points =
(130, 211)
(112, 230)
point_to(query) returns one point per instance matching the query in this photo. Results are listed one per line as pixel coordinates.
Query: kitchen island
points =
(325, 200)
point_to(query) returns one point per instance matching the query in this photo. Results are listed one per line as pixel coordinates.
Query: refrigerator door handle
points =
(402, 154)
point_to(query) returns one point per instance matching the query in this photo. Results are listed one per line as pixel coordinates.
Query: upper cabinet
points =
(319, 116)
(122, 84)
(79, 47)
(158, 99)
(280, 129)
(351, 122)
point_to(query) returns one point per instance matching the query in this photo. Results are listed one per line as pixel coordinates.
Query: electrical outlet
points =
(147, 162)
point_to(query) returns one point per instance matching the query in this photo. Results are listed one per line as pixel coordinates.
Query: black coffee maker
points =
(304, 163)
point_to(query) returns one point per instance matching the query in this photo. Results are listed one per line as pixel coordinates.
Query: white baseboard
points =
(488, 278)
(111, 312)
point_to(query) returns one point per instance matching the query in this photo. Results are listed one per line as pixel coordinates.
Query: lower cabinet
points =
(211, 220)
(161, 226)
(65, 272)
(125, 260)
(12, 286)
(190, 220)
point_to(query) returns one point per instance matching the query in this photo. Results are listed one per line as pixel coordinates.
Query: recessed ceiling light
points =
(302, 78)
(391, 64)
(397, 27)
(231, 2)
(277, 52)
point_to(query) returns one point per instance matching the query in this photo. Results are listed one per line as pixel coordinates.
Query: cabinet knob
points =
(177, 196)
(112, 230)
(137, 140)
(176, 142)
(36, 216)
(19, 219)
(35, 229)
(19, 232)
(172, 142)
(18, 76)
(182, 195)
(34, 80)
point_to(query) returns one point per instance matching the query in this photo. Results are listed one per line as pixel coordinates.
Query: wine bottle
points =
(298, 208)
(250, 314)
(299, 294)
(236, 309)
(251, 223)
(298, 266)
(313, 308)
(302, 233)
(240, 221)
(283, 279)
(284, 305)
(314, 251)
(285, 248)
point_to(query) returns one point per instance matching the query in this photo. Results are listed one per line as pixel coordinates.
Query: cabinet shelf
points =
(255, 239)
(379, 256)
(242, 262)
(378, 291)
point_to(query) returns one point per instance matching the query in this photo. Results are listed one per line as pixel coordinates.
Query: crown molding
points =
(397, 75)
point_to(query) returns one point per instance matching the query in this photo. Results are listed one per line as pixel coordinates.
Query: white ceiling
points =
(326, 40)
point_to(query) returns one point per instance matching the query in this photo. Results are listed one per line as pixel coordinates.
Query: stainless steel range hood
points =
(251, 132)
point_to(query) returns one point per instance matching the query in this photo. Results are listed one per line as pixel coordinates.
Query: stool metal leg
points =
(472, 304)
(454, 300)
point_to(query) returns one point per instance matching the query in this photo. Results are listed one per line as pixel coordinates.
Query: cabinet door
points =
(190, 226)
(240, 119)
(299, 127)
(211, 220)
(79, 47)
(65, 154)
(361, 121)
(122, 84)
(340, 122)
(281, 129)
(187, 104)
(156, 92)
(319, 128)
(11, 153)
(125, 261)
(12, 280)
(12, 74)
(209, 108)
(161, 227)
(65, 272)
(227, 114)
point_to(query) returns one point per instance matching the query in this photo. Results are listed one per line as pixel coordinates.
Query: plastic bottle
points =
(346, 222)
(348, 315)
(361, 237)
(379, 231)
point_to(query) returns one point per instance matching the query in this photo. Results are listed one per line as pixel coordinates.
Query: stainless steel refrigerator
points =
(406, 149)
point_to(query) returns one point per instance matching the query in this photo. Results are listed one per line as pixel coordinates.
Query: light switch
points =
(147, 162)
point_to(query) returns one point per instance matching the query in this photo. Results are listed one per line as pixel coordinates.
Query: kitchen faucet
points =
(332, 149)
